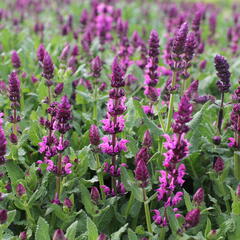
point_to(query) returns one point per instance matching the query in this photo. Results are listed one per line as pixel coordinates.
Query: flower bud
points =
(218, 164)
(59, 235)
(59, 88)
(198, 197)
(23, 236)
(192, 218)
(102, 236)
(16, 60)
(13, 138)
(147, 139)
(95, 196)
(67, 202)
(3, 216)
(216, 140)
(21, 190)
(94, 136)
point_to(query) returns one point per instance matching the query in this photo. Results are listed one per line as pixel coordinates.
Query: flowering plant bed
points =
(119, 120)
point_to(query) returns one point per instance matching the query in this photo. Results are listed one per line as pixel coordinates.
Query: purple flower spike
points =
(23, 235)
(3, 144)
(141, 173)
(41, 53)
(238, 191)
(94, 136)
(218, 164)
(16, 62)
(14, 88)
(48, 68)
(117, 75)
(153, 44)
(180, 39)
(192, 218)
(96, 67)
(147, 139)
(59, 88)
(222, 68)
(190, 46)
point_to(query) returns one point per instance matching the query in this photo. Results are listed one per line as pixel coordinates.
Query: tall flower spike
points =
(3, 142)
(141, 173)
(48, 67)
(96, 67)
(41, 53)
(192, 218)
(14, 87)
(189, 47)
(222, 68)
(94, 136)
(180, 39)
(117, 75)
(153, 44)
(16, 62)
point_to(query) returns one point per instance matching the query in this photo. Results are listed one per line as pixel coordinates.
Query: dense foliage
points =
(119, 120)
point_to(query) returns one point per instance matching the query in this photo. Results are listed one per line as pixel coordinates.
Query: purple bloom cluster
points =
(177, 149)
(16, 62)
(51, 145)
(3, 142)
(114, 122)
(223, 73)
(151, 73)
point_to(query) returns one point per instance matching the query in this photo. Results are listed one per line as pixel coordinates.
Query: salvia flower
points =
(59, 88)
(222, 68)
(3, 142)
(218, 164)
(189, 47)
(96, 67)
(48, 67)
(198, 197)
(95, 196)
(16, 62)
(179, 40)
(192, 218)
(94, 136)
(23, 236)
(41, 53)
(141, 173)
(14, 88)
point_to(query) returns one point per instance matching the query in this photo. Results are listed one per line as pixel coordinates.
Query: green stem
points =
(171, 102)
(220, 114)
(29, 216)
(236, 158)
(95, 113)
(130, 202)
(162, 234)
(147, 211)
(100, 175)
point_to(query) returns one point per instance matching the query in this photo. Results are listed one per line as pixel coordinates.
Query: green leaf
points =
(71, 231)
(149, 123)
(42, 230)
(117, 235)
(187, 201)
(131, 185)
(86, 200)
(14, 171)
(208, 227)
(92, 230)
(172, 220)
(11, 217)
(132, 235)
